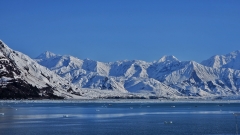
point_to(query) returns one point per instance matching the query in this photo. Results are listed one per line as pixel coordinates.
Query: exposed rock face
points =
(22, 78)
(56, 77)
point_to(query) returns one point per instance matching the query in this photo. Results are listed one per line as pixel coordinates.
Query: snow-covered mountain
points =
(167, 77)
(22, 77)
(231, 60)
(65, 76)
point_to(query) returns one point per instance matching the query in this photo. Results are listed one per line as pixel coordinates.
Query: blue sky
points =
(110, 30)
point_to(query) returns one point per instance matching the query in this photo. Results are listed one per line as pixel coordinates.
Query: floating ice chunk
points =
(65, 116)
(168, 122)
(173, 106)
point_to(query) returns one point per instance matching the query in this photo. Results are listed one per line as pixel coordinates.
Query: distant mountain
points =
(231, 60)
(63, 76)
(80, 72)
(22, 78)
(167, 77)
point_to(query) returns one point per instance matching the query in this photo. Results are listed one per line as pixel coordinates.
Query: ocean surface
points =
(26, 118)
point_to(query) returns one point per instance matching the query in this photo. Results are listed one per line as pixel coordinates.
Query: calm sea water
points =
(118, 118)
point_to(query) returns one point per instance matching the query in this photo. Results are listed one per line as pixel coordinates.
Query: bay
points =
(19, 118)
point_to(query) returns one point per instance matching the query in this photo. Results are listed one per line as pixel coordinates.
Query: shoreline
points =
(119, 101)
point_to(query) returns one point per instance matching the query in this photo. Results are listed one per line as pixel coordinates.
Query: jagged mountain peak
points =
(235, 53)
(230, 60)
(164, 78)
(215, 61)
(47, 55)
(168, 58)
(23, 76)
(194, 63)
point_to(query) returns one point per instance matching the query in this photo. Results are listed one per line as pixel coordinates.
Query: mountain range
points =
(65, 76)
(23, 78)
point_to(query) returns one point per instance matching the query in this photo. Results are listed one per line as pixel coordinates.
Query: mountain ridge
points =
(63, 76)
(184, 78)
(230, 60)
(24, 76)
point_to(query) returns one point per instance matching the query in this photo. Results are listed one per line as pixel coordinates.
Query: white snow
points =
(231, 60)
(167, 77)
(218, 76)
(35, 74)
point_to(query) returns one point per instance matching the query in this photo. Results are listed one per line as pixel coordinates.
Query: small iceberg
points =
(65, 116)
(1, 113)
(173, 106)
(168, 122)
